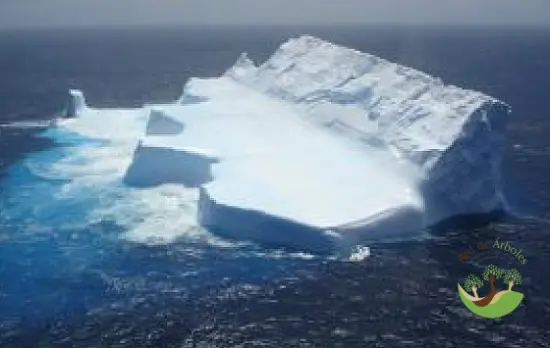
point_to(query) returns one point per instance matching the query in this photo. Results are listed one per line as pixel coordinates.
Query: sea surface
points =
(68, 281)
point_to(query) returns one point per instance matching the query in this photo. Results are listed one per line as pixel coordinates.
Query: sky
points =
(128, 13)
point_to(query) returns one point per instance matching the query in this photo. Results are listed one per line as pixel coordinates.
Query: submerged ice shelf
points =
(319, 146)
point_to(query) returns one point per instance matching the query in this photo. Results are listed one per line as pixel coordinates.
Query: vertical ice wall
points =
(76, 103)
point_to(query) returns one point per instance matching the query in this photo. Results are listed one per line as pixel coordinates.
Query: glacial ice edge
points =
(319, 147)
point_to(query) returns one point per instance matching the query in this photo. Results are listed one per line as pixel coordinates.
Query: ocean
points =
(69, 281)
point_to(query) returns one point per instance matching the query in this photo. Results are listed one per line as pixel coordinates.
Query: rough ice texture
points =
(453, 135)
(323, 145)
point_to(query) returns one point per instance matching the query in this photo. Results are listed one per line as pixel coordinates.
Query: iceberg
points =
(320, 147)
(76, 103)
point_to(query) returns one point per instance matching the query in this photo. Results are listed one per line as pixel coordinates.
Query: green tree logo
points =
(496, 303)
(473, 282)
(512, 277)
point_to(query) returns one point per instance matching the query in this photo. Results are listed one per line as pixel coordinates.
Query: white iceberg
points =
(76, 104)
(321, 146)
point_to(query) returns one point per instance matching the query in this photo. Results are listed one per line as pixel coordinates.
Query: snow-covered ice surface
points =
(319, 147)
(453, 135)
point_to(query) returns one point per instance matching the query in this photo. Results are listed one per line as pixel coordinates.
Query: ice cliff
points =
(453, 135)
(323, 145)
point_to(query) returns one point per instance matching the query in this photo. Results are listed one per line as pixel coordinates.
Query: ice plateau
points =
(320, 146)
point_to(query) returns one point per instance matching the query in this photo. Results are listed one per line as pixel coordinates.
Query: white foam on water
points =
(359, 253)
(79, 184)
(85, 173)
(25, 124)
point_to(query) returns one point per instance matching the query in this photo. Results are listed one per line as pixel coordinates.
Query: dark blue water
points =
(82, 285)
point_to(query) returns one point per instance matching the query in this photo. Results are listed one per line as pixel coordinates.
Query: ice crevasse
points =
(318, 147)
